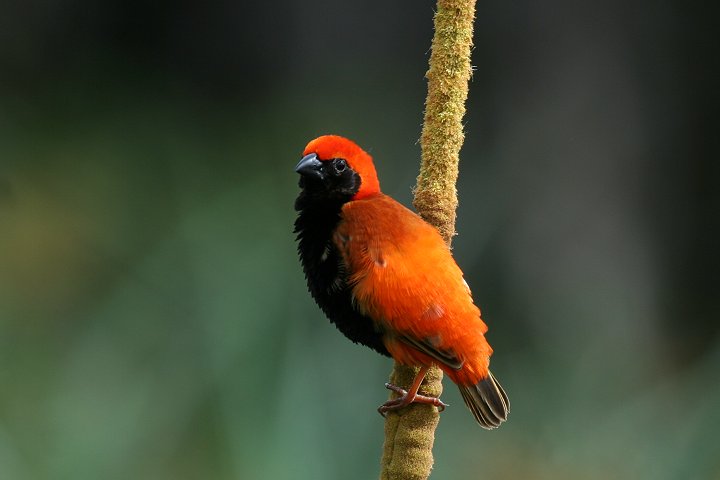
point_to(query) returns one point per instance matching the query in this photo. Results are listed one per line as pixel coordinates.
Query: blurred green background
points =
(154, 320)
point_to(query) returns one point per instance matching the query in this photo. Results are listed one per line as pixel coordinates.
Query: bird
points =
(387, 279)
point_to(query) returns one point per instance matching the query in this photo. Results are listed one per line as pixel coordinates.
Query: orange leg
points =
(410, 396)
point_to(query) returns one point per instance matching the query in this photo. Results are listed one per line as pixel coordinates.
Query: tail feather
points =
(487, 401)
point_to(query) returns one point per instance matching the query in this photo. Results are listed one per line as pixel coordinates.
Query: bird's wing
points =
(426, 346)
(403, 277)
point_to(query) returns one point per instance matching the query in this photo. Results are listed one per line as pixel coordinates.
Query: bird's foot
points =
(406, 399)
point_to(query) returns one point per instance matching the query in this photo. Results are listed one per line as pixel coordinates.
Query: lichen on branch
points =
(442, 133)
(410, 432)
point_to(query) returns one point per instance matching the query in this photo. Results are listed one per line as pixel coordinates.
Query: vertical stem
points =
(442, 133)
(410, 432)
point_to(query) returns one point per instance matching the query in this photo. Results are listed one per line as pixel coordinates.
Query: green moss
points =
(409, 433)
(442, 134)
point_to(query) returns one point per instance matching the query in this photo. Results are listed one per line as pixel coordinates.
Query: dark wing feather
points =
(446, 357)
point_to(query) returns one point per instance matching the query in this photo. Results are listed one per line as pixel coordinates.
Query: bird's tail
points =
(487, 401)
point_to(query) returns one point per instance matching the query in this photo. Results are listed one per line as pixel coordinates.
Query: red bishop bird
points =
(387, 280)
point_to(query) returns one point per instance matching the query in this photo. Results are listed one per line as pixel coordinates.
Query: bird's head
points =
(336, 166)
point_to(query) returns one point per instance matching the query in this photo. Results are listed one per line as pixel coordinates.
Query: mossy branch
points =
(409, 433)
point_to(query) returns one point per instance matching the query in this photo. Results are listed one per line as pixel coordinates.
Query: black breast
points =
(325, 273)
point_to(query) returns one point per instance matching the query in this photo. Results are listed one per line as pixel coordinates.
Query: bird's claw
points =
(405, 400)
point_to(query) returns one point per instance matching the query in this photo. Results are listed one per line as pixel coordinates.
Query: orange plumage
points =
(396, 273)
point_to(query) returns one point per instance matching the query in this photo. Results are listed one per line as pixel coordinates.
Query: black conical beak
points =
(310, 166)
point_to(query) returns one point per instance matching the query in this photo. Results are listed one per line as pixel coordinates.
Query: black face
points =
(327, 178)
(326, 186)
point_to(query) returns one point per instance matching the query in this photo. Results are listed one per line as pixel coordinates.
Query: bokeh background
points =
(154, 321)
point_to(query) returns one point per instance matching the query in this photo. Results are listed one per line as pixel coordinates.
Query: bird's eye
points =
(340, 165)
